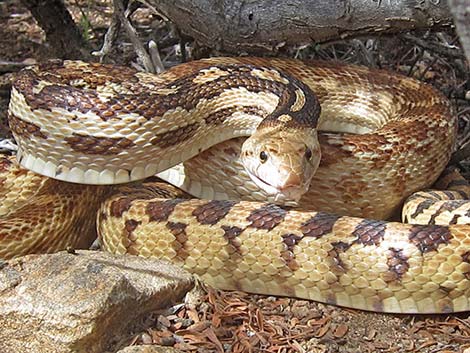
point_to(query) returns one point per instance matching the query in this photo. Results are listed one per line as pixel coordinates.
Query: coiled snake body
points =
(383, 138)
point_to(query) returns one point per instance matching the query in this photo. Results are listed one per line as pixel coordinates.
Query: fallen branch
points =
(266, 25)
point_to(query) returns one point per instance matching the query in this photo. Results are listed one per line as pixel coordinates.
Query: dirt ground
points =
(237, 322)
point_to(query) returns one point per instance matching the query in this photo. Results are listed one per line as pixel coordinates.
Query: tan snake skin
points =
(406, 131)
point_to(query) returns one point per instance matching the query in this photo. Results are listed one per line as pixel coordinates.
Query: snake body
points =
(383, 138)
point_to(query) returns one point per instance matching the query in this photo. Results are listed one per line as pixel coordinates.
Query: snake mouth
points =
(268, 188)
(291, 193)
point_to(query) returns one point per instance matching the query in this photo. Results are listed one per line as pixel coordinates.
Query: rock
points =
(81, 302)
(149, 349)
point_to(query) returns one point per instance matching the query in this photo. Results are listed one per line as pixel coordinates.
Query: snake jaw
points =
(266, 186)
(283, 191)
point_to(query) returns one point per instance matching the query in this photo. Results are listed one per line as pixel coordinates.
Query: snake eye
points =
(263, 156)
(308, 154)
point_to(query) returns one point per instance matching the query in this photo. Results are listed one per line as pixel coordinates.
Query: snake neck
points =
(99, 130)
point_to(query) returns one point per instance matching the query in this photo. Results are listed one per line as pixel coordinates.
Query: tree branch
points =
(265, 25)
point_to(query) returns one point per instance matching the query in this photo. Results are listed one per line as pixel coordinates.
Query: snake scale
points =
(381, 137)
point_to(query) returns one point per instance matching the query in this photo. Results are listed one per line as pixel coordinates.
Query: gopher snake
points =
(98, 124)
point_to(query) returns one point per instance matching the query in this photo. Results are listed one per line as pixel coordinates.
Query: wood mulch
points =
(219, 321)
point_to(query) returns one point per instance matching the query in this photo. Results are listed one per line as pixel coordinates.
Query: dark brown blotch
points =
(448, 206)
(266, 217)
(370, 232)
(178, 229)
(422, 206)
(23, 128)
(435, 195)
(290, 240)
(231, 233)
(397, 263)
(428, 237)
(450, 195)
(119, 206)
(334, 255)
(129, 226)
(319, 225)
(94, 145)
(159, 211)
(454, 219)
(213, 211)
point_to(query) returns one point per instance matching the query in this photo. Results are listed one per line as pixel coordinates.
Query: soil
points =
(238, 322)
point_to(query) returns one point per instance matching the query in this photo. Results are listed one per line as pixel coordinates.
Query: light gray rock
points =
(82, 302)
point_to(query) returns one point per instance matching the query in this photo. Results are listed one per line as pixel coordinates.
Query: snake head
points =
(282, 162)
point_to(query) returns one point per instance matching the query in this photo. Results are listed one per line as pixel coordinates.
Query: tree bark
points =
(62, 34)
(461, 11)
(257, 26)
